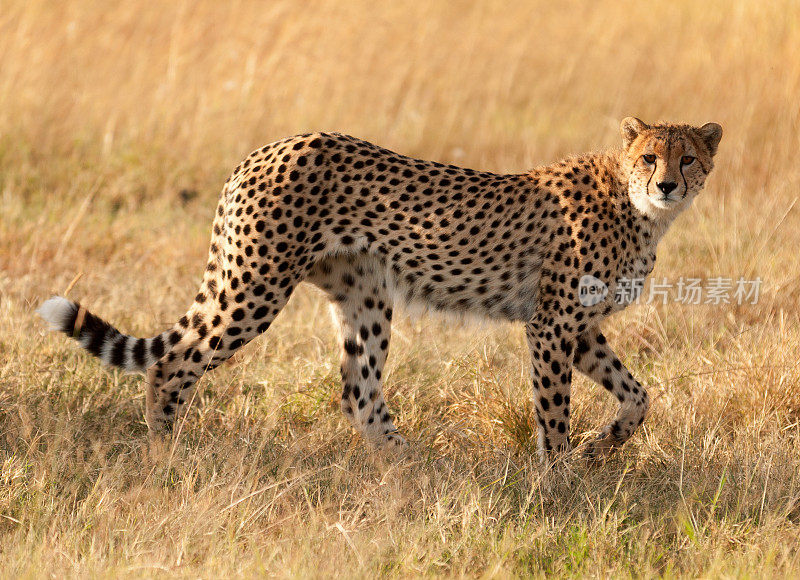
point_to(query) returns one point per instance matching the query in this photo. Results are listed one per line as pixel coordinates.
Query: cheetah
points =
(372, 228)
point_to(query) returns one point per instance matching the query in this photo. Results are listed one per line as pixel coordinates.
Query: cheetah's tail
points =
(101, 339)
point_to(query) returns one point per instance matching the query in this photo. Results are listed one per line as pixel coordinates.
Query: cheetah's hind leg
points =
(361, 304)
(210, 333)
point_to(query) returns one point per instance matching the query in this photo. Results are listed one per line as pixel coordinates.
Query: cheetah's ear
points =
(630, 129)
(711, 133)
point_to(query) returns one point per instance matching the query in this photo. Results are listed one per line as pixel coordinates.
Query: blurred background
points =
(119, 123)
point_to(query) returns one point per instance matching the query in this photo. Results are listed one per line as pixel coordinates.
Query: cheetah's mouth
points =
(666, 201)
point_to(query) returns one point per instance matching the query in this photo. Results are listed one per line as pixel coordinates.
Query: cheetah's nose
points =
(666, 186)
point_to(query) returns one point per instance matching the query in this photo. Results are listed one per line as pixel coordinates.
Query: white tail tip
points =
(56, 311)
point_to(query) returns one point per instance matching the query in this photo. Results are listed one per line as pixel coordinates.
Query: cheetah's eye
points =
(687, 160)
(649, 158)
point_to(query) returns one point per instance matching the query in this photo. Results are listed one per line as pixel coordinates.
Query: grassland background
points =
(118, 125)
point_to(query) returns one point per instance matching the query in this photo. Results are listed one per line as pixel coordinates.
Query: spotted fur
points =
(372, 228)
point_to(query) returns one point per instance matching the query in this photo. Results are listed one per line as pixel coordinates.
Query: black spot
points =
(350, 347)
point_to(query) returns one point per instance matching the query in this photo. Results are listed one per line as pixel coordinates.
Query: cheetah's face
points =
(667, 165)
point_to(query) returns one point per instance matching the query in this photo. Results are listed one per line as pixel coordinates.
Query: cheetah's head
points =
(667, 165)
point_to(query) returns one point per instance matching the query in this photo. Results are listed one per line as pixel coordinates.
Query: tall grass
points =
(118, 126)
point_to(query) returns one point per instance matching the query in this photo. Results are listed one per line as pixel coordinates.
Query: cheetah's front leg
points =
(595, 359)
(551, 370)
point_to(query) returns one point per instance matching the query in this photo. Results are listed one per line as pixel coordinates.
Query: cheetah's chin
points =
(668, 204)
(659, 209)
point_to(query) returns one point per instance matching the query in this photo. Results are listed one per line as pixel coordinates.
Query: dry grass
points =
(118, 126)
